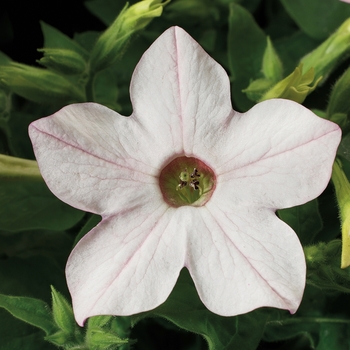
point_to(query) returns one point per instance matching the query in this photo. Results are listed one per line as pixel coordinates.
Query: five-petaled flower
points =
(185, 181)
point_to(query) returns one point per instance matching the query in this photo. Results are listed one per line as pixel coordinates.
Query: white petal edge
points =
(83, 155)
(176, 78)
(243, 260)
(129, 263)
(277, 155)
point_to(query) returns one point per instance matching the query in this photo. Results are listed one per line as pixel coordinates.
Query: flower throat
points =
(187, 181)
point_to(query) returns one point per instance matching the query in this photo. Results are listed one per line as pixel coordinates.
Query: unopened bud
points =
(326, 56)
(295, 86)
(109, 47)
(39, 85)
(63, 60)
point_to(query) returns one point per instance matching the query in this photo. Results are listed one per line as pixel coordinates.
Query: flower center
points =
(187, 181)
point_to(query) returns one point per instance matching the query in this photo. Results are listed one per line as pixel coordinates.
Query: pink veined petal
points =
(129, 263)
(277, 155)
(244, 259)
(178, 80)
(89, 159)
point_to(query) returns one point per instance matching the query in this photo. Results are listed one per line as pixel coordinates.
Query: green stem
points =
(308, 320)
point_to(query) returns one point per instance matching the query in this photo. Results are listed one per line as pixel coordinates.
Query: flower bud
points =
(63, 60)
(109, 47)
(342, 191)
(295, 86)
(38, 85)
(326, 56)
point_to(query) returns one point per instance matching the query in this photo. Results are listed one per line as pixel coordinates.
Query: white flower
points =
(130, 171)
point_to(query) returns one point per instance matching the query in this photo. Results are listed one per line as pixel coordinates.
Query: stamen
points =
(186, 181)
(184, 177)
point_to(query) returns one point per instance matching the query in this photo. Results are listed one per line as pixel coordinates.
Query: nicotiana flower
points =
(185, 181)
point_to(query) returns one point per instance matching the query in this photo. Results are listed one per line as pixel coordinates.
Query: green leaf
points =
(323, 267)
(33, 311)
(293, 47)
(246, 47)
(105, 10)
(184, 308)
(334, 334)
(26, 201)
(304, 219)
(344, 147)
(106, 88)
(339, 99)
(93, 220)
(4, 59)
(15, 334)
(317, 18)
(54, 39)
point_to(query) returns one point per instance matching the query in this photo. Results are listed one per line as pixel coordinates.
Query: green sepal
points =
(61, 338)
(107, 331)
(99, 339)
(295, 86)
(30, 310)
(257, 88)
(272, 67)
(63, 61)
(329, 54)
(39, 85)
(62, 312)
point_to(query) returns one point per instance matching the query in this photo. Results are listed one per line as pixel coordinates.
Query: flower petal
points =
(179, 88)
(242, 260)
(129, 263)
(277, 155)
(90, 158)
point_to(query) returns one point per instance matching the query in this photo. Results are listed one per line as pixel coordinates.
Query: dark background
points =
(20, 33)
